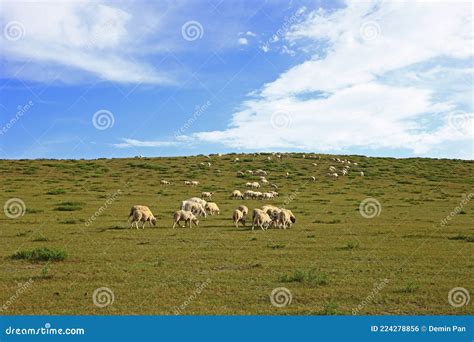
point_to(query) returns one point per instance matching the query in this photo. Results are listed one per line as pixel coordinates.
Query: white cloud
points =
(357, 91)
(139, 143)
(243, 41)
(251, 34)
(74, 35)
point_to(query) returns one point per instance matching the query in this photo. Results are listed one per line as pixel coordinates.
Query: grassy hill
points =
(404, 260)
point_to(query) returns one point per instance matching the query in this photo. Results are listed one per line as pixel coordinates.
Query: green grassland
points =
(330, 260)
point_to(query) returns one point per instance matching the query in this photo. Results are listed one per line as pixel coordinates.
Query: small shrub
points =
(40, 254)
(410, 287)
(40, 238)
(56, 192)
(352, 245)
(69, 206)
(276, 246)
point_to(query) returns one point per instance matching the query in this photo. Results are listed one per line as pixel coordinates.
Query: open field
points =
(329, 260)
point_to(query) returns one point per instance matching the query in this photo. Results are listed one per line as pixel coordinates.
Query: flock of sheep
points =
(268, 216)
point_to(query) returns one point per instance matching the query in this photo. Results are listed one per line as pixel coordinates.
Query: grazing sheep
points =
(188, 183)
(249, 194)
(271, 210)
(312, 179)
(267, 195)
(238, 217)
(236, 194)
(260, 172)
(332, 169)
(206, 194)
(249, 172)
(286, 218)
(165, 182)
(186, 216)
(314, 164)
(194, 207)
(194, 183)
(344, 172)
(141, 213)
(335, 175)
(274, 193)
(240, 173)
(236, 159)
(198, 200)
(212, 208)
(255, 185)
(287, 174)
(260, 219)
(274, 186)
(362, 173)
(243, 209)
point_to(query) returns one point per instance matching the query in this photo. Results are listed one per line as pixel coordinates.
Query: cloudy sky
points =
(88, 79)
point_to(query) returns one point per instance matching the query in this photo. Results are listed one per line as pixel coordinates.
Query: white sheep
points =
(236, 194)
(243, 209)
(212, 208)
(141, 213)
(238, 217)
(206, 194)
(362, 173)
(164, 182)
(194, 207)
(260, 219)
(186, 216)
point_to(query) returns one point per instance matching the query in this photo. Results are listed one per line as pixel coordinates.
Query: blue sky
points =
(89, 79)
